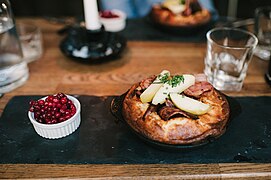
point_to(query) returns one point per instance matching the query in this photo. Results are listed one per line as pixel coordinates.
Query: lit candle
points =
(91, 15)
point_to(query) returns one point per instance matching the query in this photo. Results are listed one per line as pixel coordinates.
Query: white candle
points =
(91, 15)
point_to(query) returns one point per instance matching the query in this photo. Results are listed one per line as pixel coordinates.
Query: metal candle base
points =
(92, 45)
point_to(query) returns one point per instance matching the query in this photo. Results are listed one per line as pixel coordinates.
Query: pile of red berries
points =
(54, 109)
(108, 14)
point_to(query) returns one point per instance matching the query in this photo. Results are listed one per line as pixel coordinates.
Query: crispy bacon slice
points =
(192, 6)
(169, 103)
(201, 85)
(144, 84)
(167, 113)
(198, 89)
(151, 108)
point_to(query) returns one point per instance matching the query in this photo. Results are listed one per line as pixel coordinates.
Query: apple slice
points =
(188, 104)
(163, 92)
(174, 6)
(149, 93)
(176, 9)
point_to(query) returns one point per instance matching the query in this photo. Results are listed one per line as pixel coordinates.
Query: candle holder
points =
(92, 46)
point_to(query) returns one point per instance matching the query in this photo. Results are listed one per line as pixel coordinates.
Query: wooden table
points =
(56, 73)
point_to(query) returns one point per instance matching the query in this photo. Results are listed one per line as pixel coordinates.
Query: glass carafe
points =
(13, 69)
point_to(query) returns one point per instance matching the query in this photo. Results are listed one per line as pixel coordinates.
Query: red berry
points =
(57, 115)
(108, 14)
(69, 102)
(54, 121)
(31, 109)
(67, 117)
(67, 112)
(62, 111)
(59, 105)
(31, 103)
(39, 120)
(64, 107)
(49, 98)
(36, 107)
(42, 110)
(61, 119)
(55, 100)
(41, 102)
(64, 100)
(60, 95)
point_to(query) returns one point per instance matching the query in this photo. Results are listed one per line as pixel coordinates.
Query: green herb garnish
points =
(181, 1)
(176, 80)
(162, 78)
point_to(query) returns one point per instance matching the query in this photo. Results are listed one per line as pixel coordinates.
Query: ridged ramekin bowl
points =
(114, 24)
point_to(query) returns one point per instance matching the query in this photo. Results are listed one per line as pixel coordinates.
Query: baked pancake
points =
(171, 13)
(189, 113)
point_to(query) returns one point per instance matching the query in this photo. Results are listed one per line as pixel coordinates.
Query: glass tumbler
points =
(13, 69)
(262, 30)
(229, 51)
(31, 41)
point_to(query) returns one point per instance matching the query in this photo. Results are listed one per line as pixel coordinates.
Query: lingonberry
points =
(64, 100)
(41, 102)
(60, 95)
(31, 103)
(54, 109)
(108, 14)
(49, 98)
(55, 100)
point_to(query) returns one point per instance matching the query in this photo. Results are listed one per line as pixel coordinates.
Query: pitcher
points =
(13, 69)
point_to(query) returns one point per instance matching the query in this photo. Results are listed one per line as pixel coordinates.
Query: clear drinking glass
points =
(13, 69)
(262, 30)
(229, 51)
(31, 41)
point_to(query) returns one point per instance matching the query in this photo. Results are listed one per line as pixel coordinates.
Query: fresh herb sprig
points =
(181, 1)
(163, 78)
(176, 80)
(172, 81)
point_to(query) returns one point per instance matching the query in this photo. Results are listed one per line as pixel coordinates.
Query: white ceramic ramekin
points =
(114, 24)
(59, 130)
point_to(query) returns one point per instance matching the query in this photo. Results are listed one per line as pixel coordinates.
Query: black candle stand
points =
(92, 46)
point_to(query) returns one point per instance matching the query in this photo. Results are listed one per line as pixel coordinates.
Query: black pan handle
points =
(116, 107)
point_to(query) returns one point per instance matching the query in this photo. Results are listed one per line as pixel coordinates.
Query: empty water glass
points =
(229, 51)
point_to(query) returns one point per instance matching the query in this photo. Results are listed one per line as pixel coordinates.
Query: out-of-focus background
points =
(57, 8)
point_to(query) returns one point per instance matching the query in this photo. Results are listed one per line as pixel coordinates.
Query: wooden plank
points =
(153, 171)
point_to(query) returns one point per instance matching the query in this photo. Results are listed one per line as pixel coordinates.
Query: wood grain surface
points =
(54, 72)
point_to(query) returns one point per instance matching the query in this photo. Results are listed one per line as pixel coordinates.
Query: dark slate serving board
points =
(100, 140)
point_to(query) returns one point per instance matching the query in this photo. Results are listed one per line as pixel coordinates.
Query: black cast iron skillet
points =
(181, 30)
(116, 110)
